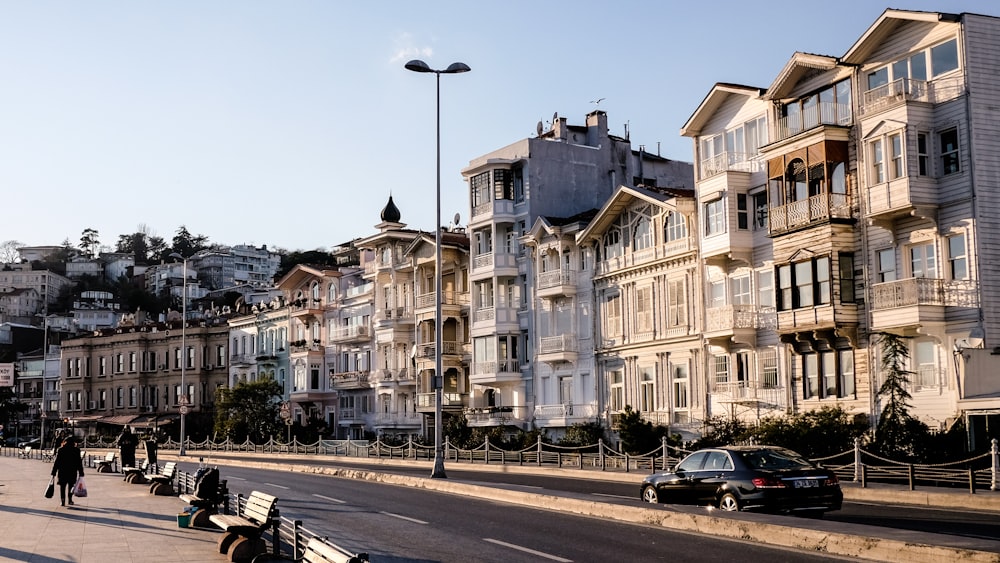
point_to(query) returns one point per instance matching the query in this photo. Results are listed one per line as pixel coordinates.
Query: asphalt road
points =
(404, 524)
(957, 522)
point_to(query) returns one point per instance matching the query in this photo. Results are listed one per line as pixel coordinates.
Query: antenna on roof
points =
(539, 129)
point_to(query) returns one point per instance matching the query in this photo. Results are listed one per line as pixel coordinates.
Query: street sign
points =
(183, 409)
(183, 400)
(6, 375)
(284, 412)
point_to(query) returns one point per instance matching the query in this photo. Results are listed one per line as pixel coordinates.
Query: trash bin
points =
(183, 519)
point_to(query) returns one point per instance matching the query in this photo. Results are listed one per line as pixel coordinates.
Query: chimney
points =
(597, 128)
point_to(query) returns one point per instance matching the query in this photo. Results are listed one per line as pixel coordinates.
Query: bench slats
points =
(256, 515)
(318, 551)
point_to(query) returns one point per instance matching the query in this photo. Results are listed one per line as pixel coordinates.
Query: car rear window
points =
(774, 459)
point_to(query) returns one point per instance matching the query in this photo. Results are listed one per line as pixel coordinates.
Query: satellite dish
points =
(555, 118)
(539, 129)
(458, 217)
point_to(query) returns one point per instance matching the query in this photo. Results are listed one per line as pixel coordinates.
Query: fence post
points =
(538, 460)
(486, 448)
(409, 443)
(910, 471)
(864, 477)
(626, 461)
(663, 444)
(857, 460)
(994, 466)
(600, 452)
(972, 481)
(296, 527)
(276, 533)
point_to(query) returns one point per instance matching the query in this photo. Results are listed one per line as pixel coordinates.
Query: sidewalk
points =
(117, 521)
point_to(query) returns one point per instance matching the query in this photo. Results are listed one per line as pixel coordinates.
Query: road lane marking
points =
(401, 517)
(336, 500)
(612, 496)
(278, 486)
(231, 478)
(527, 550)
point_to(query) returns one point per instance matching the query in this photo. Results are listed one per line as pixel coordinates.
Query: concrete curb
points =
(737, 526)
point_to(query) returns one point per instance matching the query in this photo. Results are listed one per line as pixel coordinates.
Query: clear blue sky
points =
(289, 123)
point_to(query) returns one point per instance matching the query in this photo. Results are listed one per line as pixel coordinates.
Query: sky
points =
(290, 123)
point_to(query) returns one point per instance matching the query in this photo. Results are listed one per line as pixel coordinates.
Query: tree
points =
(8, 251)
(638, 436)
(249, 410)
(186, 244)
(583, 434)
(897, 431)
(89, 242)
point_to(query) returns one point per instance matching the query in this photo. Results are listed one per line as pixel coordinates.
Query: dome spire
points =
(390, 214)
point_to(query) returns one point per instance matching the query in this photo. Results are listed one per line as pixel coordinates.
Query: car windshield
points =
(774, 459)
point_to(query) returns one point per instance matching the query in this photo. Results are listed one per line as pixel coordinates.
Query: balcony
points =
(449, 401)
(732, 318)
(555, 349)
(390, 420)
(825, 113)
(495, 316)
(495, 372)
(730, 162)
(448, 348)
(242, 360)
(557, 283)
(895, 93)
(354, 333)
(629, 259)
(359, 290)
(562, 415)
(816, 209)
(900, 198)
(499, 210)
(394, 378)
(915, 301)
(492, 264)
(495, 416)
(452, 303)
(350, 380)
(742, 392)
(308, 310)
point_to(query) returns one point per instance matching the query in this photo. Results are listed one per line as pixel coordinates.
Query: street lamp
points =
(183, 396)
(438, 471)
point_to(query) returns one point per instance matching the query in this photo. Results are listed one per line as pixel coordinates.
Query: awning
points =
(153, 420)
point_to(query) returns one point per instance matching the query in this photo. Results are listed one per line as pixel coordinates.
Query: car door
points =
(715, 472)
(678, 488)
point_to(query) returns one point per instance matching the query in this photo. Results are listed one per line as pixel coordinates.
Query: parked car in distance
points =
(765, 478)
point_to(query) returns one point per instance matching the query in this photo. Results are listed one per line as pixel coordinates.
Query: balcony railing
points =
(730, 161)
(556, 344)
(359, 290)
(349, 379)
(822, 207)
(494, 415)
(491, 367)
(555, 278)
(924, 291)
(448, 348)
(731, 317)
(447, 298)
(349, 332)
(398, 419)
(899, 90)
(824, 113)
(643, 256)
(426, 400)
(567, 410)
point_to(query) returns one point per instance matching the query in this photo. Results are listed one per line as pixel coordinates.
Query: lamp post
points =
(183, 395)
(438, 471)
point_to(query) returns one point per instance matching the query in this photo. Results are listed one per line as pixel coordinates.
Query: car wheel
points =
(650, 494)
(729, 502)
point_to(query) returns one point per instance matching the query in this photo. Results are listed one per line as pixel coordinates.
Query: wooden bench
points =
(318, 551)
(162, 483)
(136, 475)
(242, 538)
(205, 493)
(108, 464)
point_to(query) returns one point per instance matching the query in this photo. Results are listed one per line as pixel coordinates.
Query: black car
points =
(766, 478)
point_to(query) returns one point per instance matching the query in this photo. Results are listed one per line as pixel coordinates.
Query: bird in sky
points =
(598, 101)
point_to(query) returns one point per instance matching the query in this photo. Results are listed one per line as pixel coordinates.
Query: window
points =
(878, 162)
(810, 376)
(944, 58)
(742, 212)
(822, 281)
(720, 365)
(846, 359)
(644, 309)
(617, 398)
(846, 277)
(886, 265)
(613, 315)
(760, 211)
(957, 260)
(922, 261)
(828, 374)
(741, 290)
(922, 155)
(675, 227)
(717, 294)
(804, 284)
(765, 288)
(925, 364)
(480, 188)
(612, 244)
(803, 274)
(647, 390)
(642, 236)
(677, 303)
(680, 377)
(949, 152)
(896, 156)
(715, 219)
(768, 358)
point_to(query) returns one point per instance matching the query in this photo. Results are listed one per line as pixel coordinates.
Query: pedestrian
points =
(126, 446)
(67, 467)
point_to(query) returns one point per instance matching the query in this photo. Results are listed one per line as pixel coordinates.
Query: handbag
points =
(80, 489)
(51, 488)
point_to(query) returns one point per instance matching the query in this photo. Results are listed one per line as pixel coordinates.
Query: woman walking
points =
(67, 467)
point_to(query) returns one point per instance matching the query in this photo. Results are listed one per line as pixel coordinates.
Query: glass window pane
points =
(944, 57)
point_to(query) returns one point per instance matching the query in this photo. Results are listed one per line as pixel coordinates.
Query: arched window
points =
(675, 227)
(612, 244)
(838, 179)
(642, 233)
(795, 182)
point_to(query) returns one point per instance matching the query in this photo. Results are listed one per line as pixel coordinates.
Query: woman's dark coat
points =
(68, 464)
